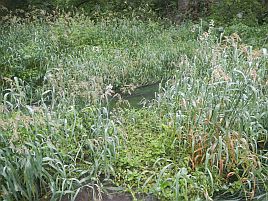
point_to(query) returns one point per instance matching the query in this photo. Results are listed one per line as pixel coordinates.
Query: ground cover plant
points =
(204, 134)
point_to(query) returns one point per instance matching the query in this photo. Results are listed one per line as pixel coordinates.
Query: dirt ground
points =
(86, 195)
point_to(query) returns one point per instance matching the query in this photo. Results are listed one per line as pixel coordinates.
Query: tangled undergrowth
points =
(204, 134)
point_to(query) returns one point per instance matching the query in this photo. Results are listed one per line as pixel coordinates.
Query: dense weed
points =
(115, 51)
(52, 153)
(205, 132)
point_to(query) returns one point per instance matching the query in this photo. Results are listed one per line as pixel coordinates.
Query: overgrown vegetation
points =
(204, 135)
(223, 11)
(111, 51)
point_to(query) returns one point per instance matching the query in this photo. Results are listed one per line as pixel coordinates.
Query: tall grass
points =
(51, 153)
(205, 132)
(56, 139)
(88, 56)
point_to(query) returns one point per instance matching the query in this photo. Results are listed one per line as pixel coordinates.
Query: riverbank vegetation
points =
(203, 136)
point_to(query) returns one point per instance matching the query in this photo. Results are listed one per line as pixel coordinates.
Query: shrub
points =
(247, 11)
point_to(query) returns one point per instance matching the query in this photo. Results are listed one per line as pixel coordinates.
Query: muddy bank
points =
(86, 194)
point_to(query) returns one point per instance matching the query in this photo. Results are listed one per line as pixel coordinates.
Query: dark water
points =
(137, 98)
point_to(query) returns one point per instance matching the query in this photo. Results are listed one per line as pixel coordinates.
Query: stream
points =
(136, 98)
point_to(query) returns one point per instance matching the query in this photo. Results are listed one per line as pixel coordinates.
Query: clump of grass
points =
(203, 133)
(52, 153)
(79, 51)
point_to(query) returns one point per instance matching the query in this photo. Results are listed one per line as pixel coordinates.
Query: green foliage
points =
(253, 35)
(52, 157)
(247, 11)
(197, 135)
(24, 56)
(223, 11)
(117, 50)
(205, 132)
